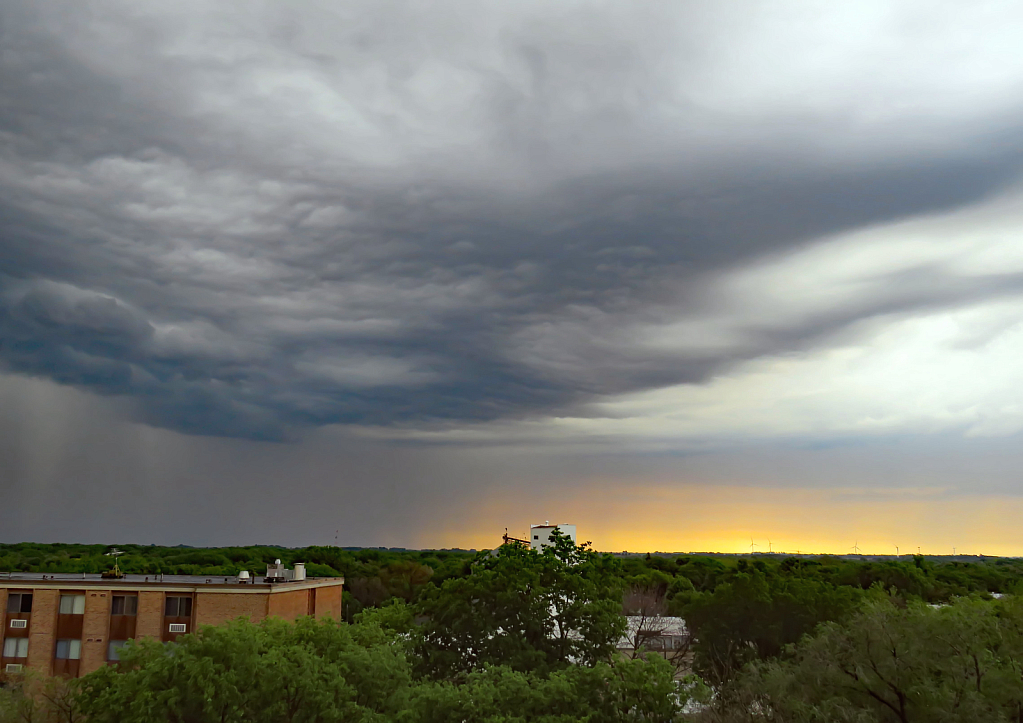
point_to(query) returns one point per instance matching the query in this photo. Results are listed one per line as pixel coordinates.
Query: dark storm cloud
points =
(252, 221)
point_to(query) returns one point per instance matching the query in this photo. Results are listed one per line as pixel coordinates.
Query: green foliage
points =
(267, 673)
(31, 699)
(628, 690)
(462, 616)
(532, 611)
(951, 664)
(396, 618)
(517, 635)
(375, 576)
(278, 672)
(525, 636)
(755, 615)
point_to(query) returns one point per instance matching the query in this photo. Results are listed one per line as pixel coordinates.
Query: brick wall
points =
(149, 623)
(289, 605)
(3, 616)
(212, 608)
(41, 642)
(328, 602)
(95, 626)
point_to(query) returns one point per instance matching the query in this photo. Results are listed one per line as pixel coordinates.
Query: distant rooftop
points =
(655, 624)
(151, 579)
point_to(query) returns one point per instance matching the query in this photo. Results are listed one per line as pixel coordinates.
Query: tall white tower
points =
(540, 535)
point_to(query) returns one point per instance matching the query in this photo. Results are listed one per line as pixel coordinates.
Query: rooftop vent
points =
(278, 573)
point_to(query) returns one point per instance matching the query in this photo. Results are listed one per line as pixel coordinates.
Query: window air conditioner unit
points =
(13, 668)
(178, 627)
(19, 623)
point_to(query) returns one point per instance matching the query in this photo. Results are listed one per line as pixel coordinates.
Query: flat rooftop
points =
(152, 579)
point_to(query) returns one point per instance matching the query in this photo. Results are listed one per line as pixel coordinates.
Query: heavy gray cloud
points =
(75, 471)
(251, 219)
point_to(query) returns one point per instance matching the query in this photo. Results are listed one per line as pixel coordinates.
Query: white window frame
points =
(72, 604)
(21, 597)
(73, 650)
(127, 602)
(19, 624)
(12, 645)
(177, 609)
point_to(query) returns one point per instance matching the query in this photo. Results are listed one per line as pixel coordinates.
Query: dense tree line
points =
(523, 637)
(514, 635)
(376, 575)
(892, 661)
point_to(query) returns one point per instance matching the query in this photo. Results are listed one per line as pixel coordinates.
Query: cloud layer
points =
(253, 219)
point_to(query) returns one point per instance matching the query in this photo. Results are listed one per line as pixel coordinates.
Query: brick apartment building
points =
(72, 624)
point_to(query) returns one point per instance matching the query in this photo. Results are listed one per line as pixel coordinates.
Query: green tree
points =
(754, 616)
(33, 699)
(911, 664)
(532, 611)
(274, 672)
(325, 672)
(628, 690)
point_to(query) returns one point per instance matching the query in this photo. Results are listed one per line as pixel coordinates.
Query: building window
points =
(19, 602)
(114, 649)
(536, 537)
(72, 604)
(16, 647)
(69, 649)
(124, 605)
(178, 607)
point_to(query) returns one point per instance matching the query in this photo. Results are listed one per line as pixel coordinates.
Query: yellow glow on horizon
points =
(724, 519)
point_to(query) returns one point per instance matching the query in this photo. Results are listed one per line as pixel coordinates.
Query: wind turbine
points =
(770, 550)
(751, 546)
(856, 547)
(896, 550)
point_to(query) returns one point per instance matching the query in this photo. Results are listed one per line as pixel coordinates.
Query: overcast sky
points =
(408, 273)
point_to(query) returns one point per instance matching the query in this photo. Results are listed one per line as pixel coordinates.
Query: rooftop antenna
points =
(508, 538)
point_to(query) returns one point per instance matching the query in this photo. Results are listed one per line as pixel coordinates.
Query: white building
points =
(655, 633)
(540, 535)
(664, 636)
